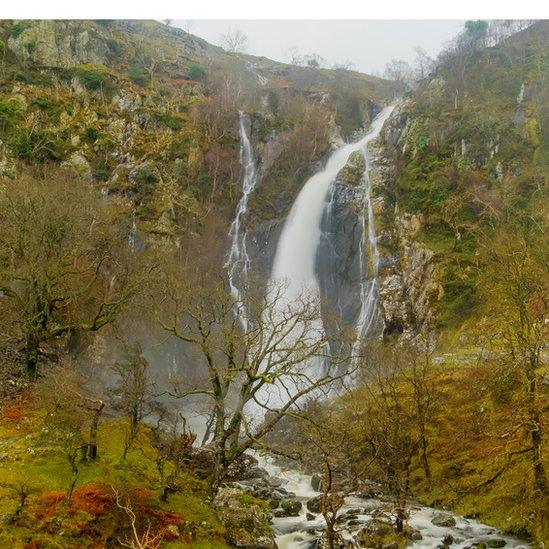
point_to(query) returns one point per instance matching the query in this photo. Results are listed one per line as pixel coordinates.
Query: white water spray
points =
(295, 258)
(238, 260)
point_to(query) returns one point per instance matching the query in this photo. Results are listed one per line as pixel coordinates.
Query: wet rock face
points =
(338, 255)
(247, 523)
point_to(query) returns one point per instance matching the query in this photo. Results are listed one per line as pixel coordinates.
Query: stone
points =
(496, 542)
(315, 504)
(448, 539)
(443, 520)
(310, 516)
(291, 508)
(316, 483)
(247, 524)
(78, 162)
(378, 527)
(390, 545)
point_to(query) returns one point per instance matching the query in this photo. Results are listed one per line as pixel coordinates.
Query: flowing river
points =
(304, 531)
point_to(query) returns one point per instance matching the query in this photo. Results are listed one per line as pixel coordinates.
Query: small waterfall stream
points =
(238, 260)
(303, 532)
(369, 264)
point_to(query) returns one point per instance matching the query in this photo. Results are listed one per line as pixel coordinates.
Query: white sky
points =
(368, 44)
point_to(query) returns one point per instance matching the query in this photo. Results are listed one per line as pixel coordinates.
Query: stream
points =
(357, 513)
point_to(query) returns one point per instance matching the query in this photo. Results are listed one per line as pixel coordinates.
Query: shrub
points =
(195, 71)
(18, 28)
(274, 101)
(93, 76)
(138, 74)
(42, 102)
(169, 121)
(10, 113)
(21, 145)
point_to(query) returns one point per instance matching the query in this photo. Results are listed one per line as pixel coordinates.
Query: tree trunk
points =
(540, 477)
(31, 357)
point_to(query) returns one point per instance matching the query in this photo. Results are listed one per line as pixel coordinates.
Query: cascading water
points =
(293, 277)
(238, 260)
(295, 258)
(369, 263)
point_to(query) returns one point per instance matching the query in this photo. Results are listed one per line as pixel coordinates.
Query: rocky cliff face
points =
(409, 285)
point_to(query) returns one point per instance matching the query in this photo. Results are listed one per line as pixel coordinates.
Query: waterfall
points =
(295, 258)
(132, 233)
(369, 264)
(238, 261)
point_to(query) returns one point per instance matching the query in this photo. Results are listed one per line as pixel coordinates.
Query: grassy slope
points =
(93, 520)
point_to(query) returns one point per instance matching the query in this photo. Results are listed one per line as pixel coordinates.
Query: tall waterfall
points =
(238, 261)
(295, 257)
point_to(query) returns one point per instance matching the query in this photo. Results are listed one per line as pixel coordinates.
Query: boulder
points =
(247, 523)
(379, 528)
(315, 504)
(291, 508)
(448, 539)
(444, 520)
(316, 483)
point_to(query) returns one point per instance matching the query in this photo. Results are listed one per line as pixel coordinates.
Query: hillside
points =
(149, 112)
(161, 386)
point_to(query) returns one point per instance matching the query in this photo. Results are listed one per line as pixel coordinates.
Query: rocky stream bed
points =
(297, 521)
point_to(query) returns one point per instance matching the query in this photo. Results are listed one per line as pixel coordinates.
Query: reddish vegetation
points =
(48, 503)
(94, 499)
(16, 410)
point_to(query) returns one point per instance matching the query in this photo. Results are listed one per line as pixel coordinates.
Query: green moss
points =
(11, 113)
(18, 28)
(93, 76)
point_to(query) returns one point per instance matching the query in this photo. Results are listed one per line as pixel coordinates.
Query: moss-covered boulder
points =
(354, 169)
(246, 519)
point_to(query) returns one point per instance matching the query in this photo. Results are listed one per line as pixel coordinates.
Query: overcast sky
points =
(367, 44)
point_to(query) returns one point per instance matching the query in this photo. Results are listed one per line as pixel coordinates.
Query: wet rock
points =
(274, 503)
(310, 516)
(412, 533)
(291, 508)
(315, 504)
(443, 520)
(379, 527)
(390, 545)
(247, 524)
(316, 483)
(497, 542)
(353, 171)
(448, 539)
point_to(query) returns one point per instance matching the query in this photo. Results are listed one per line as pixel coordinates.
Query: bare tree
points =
(133, 391)
(261, 368)
(514, 280)
(234, 40)
(63, 268)
(66, 419)
(424, 64)
(399, 70)
(295, 56)
(146, 540)
(173, 443)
